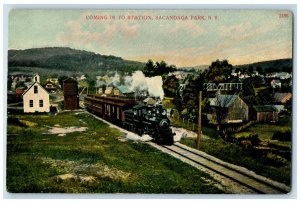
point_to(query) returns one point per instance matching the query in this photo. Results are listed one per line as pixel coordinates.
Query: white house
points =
(36, 99)
(276, 83)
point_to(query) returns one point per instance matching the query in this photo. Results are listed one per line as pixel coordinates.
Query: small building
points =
(36, 99)
(265, 113)
(275, 84)
(71, 97)
(20, 91)
(280, 108)
(53, 80)
(50, 87)
(229, 109)
(283, 75)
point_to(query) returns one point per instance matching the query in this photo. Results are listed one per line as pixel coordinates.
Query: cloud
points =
(235, 31)
(84, 32)
(245, 31)
(193, 29)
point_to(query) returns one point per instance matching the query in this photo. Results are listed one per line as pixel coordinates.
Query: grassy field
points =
(93, 161)
(243, 157)
(271, 158)
(266, 130)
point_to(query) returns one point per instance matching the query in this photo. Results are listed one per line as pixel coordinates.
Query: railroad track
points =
(238, 179)
(235, 179)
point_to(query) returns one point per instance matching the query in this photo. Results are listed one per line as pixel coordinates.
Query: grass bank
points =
(93, 161)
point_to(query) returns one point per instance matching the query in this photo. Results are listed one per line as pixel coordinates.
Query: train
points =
(133, 116)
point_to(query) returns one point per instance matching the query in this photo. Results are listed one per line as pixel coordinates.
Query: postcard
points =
(149, 101)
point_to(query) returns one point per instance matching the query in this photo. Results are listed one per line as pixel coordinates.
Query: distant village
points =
(28, 94)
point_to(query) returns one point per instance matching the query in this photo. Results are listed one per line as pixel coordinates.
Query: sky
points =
(194, 37)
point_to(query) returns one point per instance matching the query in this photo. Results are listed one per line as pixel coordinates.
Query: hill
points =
(67, 59)
(277, 65)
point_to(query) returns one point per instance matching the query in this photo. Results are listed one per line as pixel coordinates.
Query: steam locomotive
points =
(135, 117)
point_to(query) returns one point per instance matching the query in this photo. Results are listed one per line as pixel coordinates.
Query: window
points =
(35, 89)
(41, 103)
(30, 103)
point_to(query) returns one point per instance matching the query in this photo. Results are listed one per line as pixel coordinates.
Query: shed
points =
(228, 109)
(266, 113)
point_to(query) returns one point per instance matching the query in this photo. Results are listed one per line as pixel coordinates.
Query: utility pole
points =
(199, 121)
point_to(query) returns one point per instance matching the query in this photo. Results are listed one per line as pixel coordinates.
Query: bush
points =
(274, 160)
(252, 138)
(15, 121)
(282, 136)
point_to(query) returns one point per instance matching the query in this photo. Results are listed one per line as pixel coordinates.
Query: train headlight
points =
(164, 123)
(164, 112)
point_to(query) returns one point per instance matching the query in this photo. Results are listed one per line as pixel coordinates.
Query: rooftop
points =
(223, 100)
(265, 108)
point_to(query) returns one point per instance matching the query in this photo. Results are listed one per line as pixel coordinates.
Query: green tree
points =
(251, 69)
(219, 71)
(259, 69)
(149, 69)
(61, 79)
(159, 68)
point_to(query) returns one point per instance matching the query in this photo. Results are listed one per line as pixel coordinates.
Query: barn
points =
(265, 113)
(228, 109)
(71, 98)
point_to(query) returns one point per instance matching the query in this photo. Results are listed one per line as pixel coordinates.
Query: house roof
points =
(223, 100)
(279, 96)
(33, 85)
(265, 108)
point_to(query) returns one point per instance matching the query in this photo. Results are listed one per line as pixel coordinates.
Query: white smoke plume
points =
(139, 82)
(106, 80)
(115, 80)
(100, 83)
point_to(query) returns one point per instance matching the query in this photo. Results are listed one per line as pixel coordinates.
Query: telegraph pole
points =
(199, 121)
